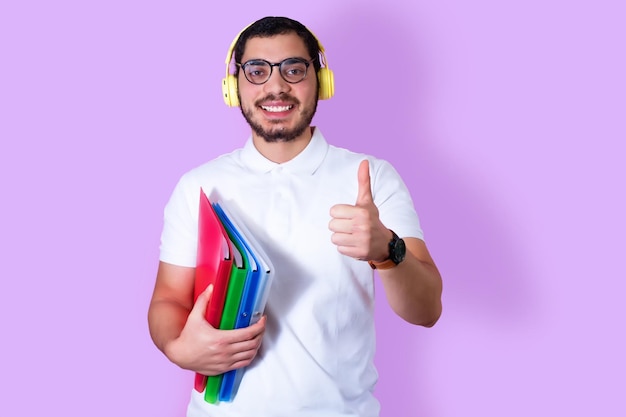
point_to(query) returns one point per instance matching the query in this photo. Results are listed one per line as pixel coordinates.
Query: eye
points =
(294, 69)
(256, 69)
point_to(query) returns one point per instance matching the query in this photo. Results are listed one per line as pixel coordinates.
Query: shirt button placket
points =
(281, 213)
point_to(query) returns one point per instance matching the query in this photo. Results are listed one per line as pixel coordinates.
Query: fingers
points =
(357, 228)
(364, 198)
(247, 348)
(249, 333)
(235, 348)
(199, 308)
(364, 195)
(244, 339)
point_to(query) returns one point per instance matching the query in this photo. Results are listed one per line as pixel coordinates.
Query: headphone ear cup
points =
(326, 83)
(229, 91)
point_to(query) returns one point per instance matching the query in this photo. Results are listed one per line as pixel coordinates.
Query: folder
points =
(213, 266)
(251, 287)
(240, 273)
(255, 292)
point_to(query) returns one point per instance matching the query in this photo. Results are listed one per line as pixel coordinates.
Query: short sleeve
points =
(180, 225)
(394, 202)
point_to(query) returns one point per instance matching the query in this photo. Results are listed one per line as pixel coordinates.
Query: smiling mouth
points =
(277, 109)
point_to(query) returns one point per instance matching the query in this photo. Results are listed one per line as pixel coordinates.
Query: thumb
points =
(364, 195)
(200, 306)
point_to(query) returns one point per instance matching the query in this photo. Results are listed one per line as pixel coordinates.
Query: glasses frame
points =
(276, 64)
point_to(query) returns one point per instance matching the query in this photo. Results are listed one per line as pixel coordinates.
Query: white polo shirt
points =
(318, 349)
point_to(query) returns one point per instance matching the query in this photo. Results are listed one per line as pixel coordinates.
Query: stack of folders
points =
(230, 259)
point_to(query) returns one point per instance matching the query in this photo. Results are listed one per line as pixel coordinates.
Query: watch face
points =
(398, 251)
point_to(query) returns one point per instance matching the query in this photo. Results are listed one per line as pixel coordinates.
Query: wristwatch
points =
(397, 251)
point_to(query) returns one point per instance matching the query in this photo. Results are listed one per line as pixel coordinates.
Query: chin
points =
(279, 135)
(273, 133)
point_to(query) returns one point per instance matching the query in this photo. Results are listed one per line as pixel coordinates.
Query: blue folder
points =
(255, 292)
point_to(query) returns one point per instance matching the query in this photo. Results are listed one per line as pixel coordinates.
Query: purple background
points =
(506, 119)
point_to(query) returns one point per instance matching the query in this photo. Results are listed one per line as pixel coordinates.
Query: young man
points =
(326, 218)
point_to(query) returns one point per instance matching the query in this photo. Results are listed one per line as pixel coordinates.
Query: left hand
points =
(357, 229)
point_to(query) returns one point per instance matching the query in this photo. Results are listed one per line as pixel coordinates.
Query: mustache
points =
(280, 97)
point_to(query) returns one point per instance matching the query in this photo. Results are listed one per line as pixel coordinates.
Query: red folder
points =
(213, 265)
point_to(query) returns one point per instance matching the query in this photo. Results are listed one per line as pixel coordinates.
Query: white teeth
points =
(276, 109)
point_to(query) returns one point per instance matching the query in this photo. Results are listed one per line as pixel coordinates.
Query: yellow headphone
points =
(324, 75)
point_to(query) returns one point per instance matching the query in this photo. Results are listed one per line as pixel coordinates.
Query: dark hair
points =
(271, 26)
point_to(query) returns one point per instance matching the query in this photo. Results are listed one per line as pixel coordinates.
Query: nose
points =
(276, 84)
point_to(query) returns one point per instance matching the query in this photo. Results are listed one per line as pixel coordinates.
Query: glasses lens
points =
(257, 72)
(293, 70)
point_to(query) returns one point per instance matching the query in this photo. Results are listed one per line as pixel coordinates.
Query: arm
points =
(179, 329)
(414, 287)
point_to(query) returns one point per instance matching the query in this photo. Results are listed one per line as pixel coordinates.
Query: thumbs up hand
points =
(357, 229)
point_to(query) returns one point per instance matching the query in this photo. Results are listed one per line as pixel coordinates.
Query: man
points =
(325, 216)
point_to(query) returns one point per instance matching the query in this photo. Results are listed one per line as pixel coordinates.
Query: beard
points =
(279, 133)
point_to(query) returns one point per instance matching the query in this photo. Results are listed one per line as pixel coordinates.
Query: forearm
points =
(166, 321)
(413, 288)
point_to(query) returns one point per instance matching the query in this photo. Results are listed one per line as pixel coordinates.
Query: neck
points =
(280, 152)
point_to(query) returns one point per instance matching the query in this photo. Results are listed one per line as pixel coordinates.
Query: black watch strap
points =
(397, 251)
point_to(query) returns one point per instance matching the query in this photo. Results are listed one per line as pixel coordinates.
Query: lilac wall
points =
(505, 118)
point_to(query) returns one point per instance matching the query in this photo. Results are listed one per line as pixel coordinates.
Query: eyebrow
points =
(267, 60)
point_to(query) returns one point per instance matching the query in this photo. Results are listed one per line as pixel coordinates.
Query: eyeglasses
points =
(258, 71)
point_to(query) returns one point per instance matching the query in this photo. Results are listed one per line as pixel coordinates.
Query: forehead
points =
(275, 48)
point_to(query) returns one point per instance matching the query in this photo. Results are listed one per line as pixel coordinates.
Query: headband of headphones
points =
(324, 75)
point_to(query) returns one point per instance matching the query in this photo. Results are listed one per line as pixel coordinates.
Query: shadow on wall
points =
(384, 83)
